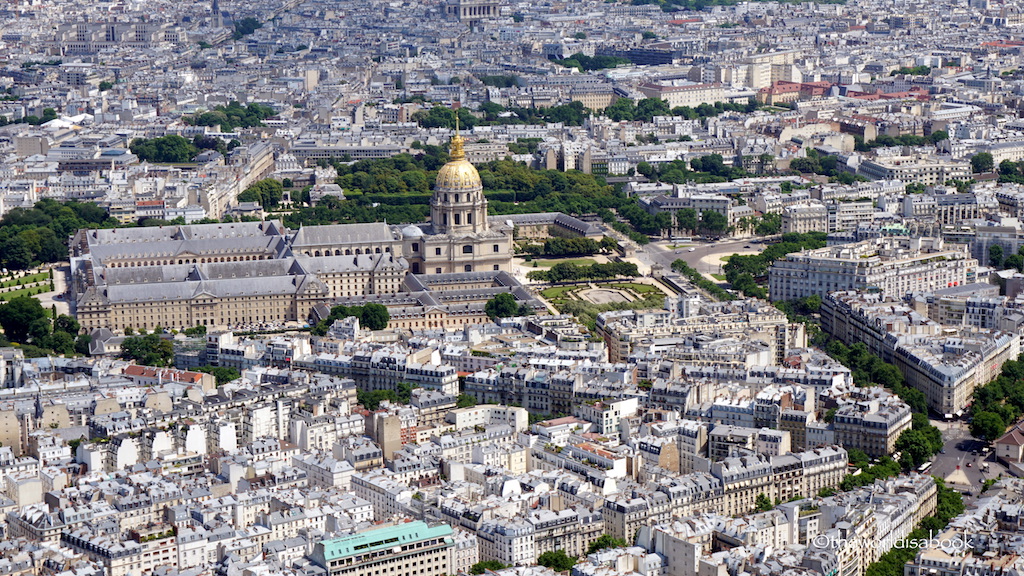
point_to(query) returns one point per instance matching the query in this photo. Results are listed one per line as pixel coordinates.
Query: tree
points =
(988, 425)
(61, 343)
(501, 306)
(168, 149)
(481, 567)
(557, 560)
(148, 350)
(465, 401)
(915, 448)
(769, 225)
(687, 219)
(245, 26)
(65, 323)
(763, 503)
(982, 162)
(995, 255)
(196, 331)
(374, 316)
(605, 541)
(621, 109)
(371, 399)
(267, 193)
(19, 315)
(713, 222)
(105, 85)
(1014, 261)
(648, 108)
(82, 344)
(223, 374)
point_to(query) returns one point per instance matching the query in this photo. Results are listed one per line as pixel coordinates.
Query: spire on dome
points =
(456, 150)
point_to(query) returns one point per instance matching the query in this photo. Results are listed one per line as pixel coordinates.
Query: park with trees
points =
(372, 316)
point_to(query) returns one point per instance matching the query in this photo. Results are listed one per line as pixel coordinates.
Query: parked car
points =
(692, 250)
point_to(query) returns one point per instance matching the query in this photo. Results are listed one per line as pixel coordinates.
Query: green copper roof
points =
(382, 538)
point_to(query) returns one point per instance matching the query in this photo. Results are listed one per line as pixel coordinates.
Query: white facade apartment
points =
(909, 169)
(685, 94)
(387, 497)
(803, 218)
(507, 541)
(894, 266)
(487, 414)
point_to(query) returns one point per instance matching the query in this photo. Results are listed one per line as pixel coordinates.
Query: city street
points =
(703, 259)
(959, 447)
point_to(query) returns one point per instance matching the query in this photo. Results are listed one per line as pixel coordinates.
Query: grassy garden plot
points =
(559, 292)
(638, 288)
(40, 277)
(577, 261)
(8, 296)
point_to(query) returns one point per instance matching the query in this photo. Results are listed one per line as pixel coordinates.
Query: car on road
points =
(691, 250)
(943, 451)
(747, 246)
(969, 465)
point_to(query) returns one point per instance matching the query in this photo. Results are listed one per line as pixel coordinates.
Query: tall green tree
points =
(485, 565)
(374, 316)
(21, 316)
(503, 305)
(982, 162)
(605, 541)
(988, 425)
(148, 350)
(995, 255)
(557, 560)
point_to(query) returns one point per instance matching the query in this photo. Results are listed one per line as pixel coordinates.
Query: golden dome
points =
(458, 174)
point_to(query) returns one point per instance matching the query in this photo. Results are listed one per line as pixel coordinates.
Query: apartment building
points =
(803, 218)
(623, 331)
(872, 425)
(406, 549)
(891, 265)
(683, 93)
(729, 487)
(926, 170)
(947, 363)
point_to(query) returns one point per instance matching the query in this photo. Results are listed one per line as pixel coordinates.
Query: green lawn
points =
(26, 280)
(719, 277)
(577, 261)
(638, 288)
(557, 291)
(8, 296)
